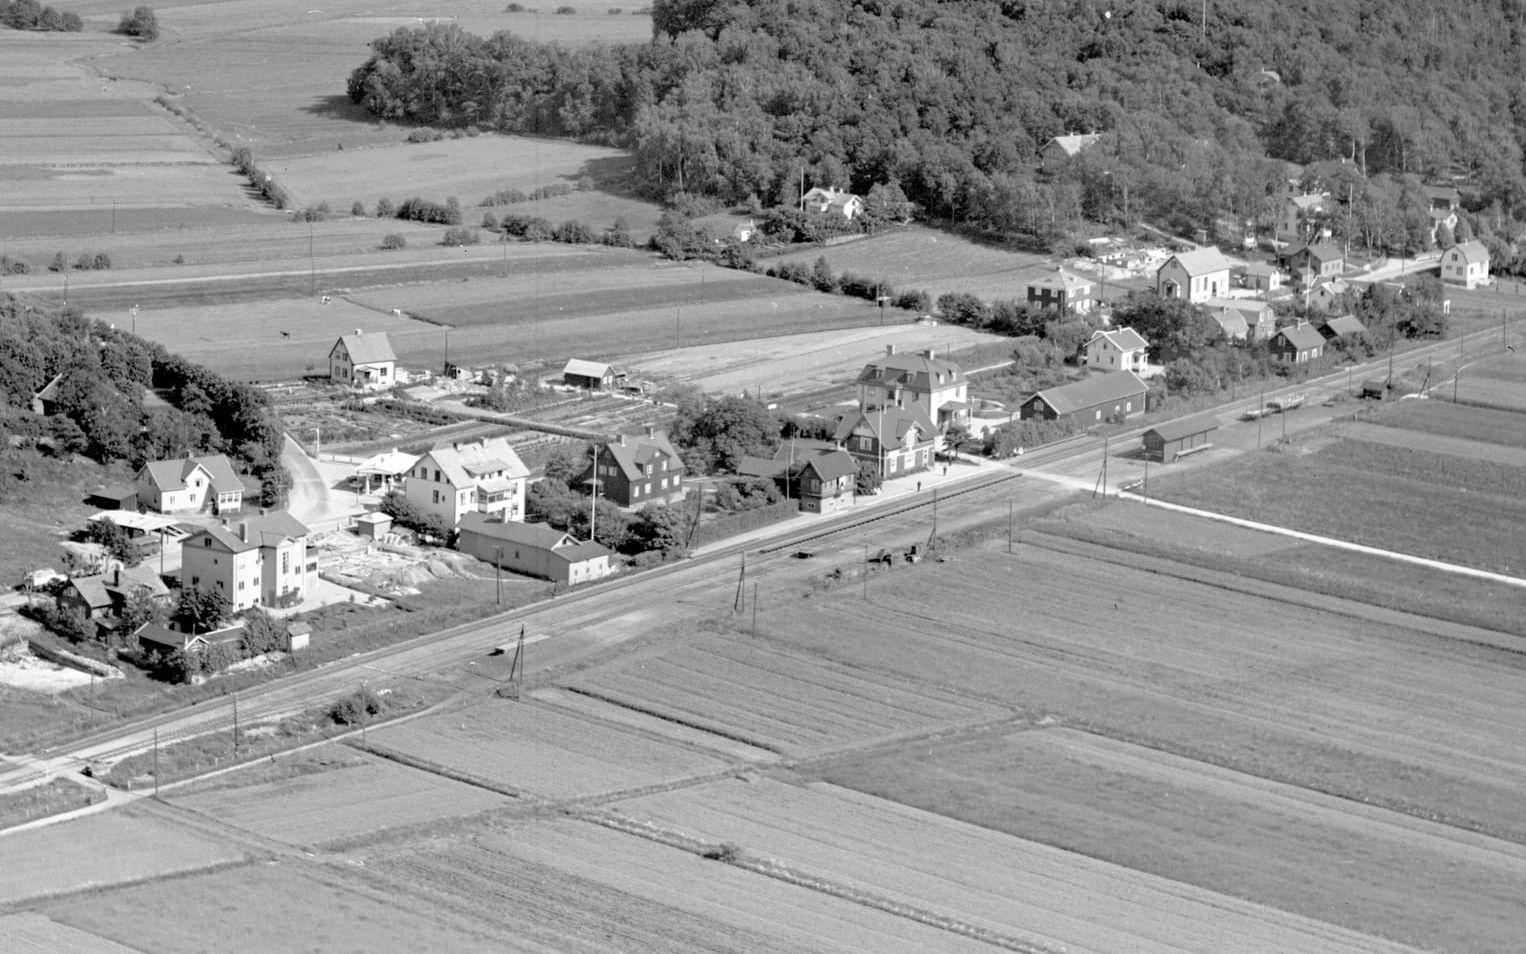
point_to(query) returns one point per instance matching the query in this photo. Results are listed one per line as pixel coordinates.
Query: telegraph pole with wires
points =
(517, 664)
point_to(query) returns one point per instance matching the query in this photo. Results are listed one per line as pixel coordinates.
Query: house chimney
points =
(359, 332)
(651, 430)
(116, 575)
(243, 530)
(622, 440)
(931, 354)
(890, 349)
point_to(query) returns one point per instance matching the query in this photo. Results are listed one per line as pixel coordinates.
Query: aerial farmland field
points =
(1497, 382)
(921, 259)
(540, 750)
(1462, 509)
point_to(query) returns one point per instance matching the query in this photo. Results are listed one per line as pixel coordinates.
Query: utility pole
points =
(134, 311)
(498, 575)
(866, 572)
(1009, 524)
(317, 442)
(113, 216)
(235, 726)
(1260, 416)
(739, 602)
(312, 262)
(593, 499)
(755, 609)
(156, 763)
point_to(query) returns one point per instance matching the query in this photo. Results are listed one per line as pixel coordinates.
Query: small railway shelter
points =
(1173, 439)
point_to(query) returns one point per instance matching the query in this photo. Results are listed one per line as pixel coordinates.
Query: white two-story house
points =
(462, 477)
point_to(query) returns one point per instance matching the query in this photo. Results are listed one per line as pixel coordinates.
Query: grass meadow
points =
(921, 259)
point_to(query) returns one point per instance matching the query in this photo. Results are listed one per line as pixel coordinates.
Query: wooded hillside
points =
(953, 100)
(101, 379)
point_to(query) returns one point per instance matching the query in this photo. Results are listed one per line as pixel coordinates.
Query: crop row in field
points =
(1439, 506)
(1488, 425)
(1008, 887)
(773, 698)
(1137, 533)
(38, 934)
(1497, 383)
(541, 750)
(921, 259)
(320, 806)
(584, 887)
(1382, 710)
(1287, 848)
(101, 849)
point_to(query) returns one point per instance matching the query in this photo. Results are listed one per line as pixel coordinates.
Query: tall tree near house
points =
(202, 608)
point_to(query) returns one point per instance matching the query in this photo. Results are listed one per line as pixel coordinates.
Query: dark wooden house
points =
(1100, 397)
(1166, 442)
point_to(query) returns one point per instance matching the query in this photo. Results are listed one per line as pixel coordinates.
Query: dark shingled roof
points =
(1184, 427)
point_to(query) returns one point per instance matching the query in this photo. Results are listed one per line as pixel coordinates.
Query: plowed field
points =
(961, 873)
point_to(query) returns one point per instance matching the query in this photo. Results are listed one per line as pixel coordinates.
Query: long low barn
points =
(1168, 441)
(533, 549)
(1100, 397)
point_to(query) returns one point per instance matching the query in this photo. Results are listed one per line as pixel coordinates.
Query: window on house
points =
(195, 581)
(436, 496)
(286, 563)
(1099, 415)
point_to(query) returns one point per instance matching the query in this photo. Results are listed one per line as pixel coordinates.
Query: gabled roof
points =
(1302, 337)
(581, 552)
(1231, 322)
(1061, 280)
(586, 369)
(1308, 201)
(171, 475)
(92, 589)
(134, 577)
(892, 421)
(1259, 269)
(1123, 339)
(1441, 194)
(832, 466)
(225, 539)
(539, 536)
(644, 451)
(1345, 325)
(1073, 144)
(919, 371)
(799, 448)
(1200, 261)
(465, 464)
(1092, 390)
(764, 468)
(365, 348)
(273, 526)
(1184, 427)
(1324, 252)
(1471, 251)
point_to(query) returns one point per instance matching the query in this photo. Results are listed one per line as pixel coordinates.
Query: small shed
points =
(1375, 389)
(115, 497)
(588, 374)
(374, 525)
(1173, 439)
(297, 636)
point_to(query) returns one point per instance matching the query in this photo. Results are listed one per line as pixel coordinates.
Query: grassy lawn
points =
(1491, 425)
(41, 504)
(59, 795)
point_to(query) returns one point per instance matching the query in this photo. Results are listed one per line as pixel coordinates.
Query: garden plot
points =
(772, 698)
(1010, 887)
(101, 849)
(1498, 383)
(1325, 858)
(546, 751)
(592, 888)
(361, 798)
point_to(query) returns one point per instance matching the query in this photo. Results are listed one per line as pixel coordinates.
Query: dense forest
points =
(953, 99)
(103, 375)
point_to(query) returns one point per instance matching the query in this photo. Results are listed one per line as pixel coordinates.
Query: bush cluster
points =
(820, 277)
(461, 236)
(87, 262)
(314, 213)
(14, 266)
(512, 196)
(362, 705)
(31, 15)
(393, 240)
(435, 135)
(139, 22)
(422, 210)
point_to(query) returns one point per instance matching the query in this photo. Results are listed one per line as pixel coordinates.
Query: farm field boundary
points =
(1171, 566)
(1330, 541)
